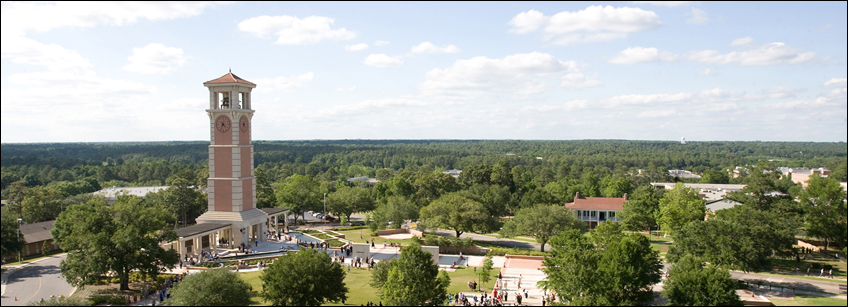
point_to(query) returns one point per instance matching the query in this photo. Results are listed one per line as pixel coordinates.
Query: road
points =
(34, 282)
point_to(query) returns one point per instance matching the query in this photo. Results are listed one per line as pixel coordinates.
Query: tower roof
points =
(229, 78)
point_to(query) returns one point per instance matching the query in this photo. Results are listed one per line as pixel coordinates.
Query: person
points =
(822, 273)
(499, 275)
(808, 271)
(519, 281)
(830, 273)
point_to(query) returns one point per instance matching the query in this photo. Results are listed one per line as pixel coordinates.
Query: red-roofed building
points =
(595, 210)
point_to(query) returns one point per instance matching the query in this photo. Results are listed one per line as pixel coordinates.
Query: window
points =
(612, 214)
(594, 214)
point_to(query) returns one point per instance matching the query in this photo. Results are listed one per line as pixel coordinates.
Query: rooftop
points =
(229, 78)
(597, 203)
(37, 232)
(192, 230)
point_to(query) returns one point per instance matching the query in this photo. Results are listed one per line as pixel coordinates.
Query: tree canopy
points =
(542, 222)
(12, 243)
(691, 283)
(216, 287)
(306, 277)
(826, 214)
(455, 212)
(300, 193)
(641, 209)
(679, 206)
(411, 280)
(602, 269)
(120, 238)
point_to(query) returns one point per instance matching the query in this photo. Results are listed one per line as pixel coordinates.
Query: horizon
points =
(134, 72)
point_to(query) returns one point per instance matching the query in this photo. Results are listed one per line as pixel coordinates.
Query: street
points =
(34, 282)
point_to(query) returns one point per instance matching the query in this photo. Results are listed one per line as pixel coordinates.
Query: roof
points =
(701, 186)
(193, 230)
(229, 78)
(113, 192)
(722, 204)
(273, 211)
(597, 203)
(37, 232)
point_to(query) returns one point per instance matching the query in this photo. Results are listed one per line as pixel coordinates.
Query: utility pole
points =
(325, 208)
(20, 259)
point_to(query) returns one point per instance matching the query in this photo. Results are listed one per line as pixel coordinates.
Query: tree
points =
(456, 212)
(485, 273)
(218, 287)
(826, 215)
(411, 280)
(304, 278)
(680, 206)
(741, 238)
(11, 243)
(606, 272)
(691, 283)
(715, 176)
(299, 194)
(41, 204)
(542, 222)
(120, 238)
(185, 200)
(348, 200)
(640, 209)
(397, 210)
(265, 197)
(615, 186)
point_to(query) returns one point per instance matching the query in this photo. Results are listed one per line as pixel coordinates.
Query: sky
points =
(706, 71)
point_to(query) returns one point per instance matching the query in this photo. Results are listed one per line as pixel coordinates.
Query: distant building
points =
(453, 172)
(596, 210)
(371, 181)
(708, 191)
(800, 175)
(683, 174)
(721, 204)
(112, 193)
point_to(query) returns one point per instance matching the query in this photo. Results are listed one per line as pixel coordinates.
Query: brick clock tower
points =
(231, 184)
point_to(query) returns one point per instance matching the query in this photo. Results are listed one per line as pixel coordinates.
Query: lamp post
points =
(20, 222)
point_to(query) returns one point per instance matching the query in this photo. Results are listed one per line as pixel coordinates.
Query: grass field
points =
(360, 293)
(809, 300)
(360, 236)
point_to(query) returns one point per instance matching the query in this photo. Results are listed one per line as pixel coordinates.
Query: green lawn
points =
(365, 234)
(519, 238)
(809, 300)
(786, 267)
(360, 293)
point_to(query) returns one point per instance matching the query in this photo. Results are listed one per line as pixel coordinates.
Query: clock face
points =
(222, 123)
(244, 124)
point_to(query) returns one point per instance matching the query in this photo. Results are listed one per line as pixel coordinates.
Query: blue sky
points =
(92, 72)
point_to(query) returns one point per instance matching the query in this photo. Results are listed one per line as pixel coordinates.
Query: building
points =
(36, 235)
(111, 194)
(800, 175)
(683, 174)
(708, 191)
(596, 210)
(721, 204)
(453, 172)
(371, 181)
(232, 216)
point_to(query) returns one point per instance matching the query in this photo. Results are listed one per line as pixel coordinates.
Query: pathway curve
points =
(35, 281)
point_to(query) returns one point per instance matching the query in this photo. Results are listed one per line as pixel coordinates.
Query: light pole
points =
(20, 222)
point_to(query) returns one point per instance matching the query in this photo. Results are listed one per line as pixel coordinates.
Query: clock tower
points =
(231, 184)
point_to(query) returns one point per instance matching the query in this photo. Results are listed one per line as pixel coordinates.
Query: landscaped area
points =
(360, 292)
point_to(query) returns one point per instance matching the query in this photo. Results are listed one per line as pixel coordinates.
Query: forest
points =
(504, 175)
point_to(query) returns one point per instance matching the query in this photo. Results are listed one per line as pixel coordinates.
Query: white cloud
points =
(295, 31)
(742, 41)
(698, 17)
(18, 17)
(636, 55)
(53, 57)
(428, 47)
(381, 43)
(286, 84)
(824, 27)
(382, 60)
(838, 82)
(526, 22)
(706, 72)
(356, 47)
(155, 59)
(767, 55)
(578, 81)
(666, 3)
(346, 89)
(518, 74)
(593, 24)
